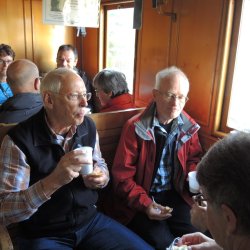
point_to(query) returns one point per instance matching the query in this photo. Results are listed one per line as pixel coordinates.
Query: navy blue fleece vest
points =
(72, 205)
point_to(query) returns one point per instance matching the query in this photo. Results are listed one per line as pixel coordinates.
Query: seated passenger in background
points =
(41, 186)
(7, 55)
(23, 78)
(67, 57)
(157, 150)
(112, 90)
(223, 175)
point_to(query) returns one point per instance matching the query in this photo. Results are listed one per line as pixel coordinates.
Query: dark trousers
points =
(160, 234)
(102, 233)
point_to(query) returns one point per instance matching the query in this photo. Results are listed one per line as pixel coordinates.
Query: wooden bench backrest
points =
(109, 126)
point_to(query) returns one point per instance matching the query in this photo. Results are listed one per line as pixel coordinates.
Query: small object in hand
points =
(96, 174)
(168, 209)
(177, 244)
(183, 247)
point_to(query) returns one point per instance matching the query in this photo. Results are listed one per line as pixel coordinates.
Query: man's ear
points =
(37, 84)
(229, 218)
(47, 100)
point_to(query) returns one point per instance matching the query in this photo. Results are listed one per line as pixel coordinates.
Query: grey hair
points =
(224, 172)
(52, 81)
(168, 72)
(110, 80)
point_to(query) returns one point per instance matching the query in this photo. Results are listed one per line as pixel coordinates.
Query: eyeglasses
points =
(172, 97)
(6, 62)
(76, 96)
(200, 200)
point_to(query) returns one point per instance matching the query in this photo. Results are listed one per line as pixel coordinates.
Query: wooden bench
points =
(109, 126)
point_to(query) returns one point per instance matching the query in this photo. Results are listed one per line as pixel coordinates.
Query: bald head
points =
(23, 77)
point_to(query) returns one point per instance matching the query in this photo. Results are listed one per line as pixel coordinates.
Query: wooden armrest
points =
(5, 240)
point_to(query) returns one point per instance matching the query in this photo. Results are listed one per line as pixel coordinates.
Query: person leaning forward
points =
(156, 151)
(223, 175)
(40, 184)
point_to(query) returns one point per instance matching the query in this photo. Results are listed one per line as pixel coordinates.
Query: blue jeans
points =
(101, 233)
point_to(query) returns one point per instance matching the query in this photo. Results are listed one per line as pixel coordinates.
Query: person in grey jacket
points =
(23, 79)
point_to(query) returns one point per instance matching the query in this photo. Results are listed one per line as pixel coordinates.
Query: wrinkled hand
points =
(97, 179)
(198, 241)
(66, 170)
(156, 211)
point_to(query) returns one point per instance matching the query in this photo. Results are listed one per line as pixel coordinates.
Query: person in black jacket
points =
(67, 57)
(23, 79)
(41, 184)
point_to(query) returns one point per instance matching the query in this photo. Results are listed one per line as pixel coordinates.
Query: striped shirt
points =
(19, 200)
(162, 180)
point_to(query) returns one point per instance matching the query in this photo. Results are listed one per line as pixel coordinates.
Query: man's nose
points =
(65, 63)
(83, 102)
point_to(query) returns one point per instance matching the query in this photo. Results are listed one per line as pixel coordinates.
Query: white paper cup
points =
(87, 167)
(193, 184)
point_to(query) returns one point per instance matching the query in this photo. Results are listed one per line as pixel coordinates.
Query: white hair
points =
(167, 72)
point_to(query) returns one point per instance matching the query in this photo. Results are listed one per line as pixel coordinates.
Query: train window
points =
(119, 39)
(237, 92)
(240, 99)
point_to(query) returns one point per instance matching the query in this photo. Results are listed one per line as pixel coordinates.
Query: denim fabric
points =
(101, 233)
(161, 234)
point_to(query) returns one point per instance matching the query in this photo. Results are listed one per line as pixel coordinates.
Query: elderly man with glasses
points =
(156, 152)
(223, 175)
(41, 186)
(67, 57)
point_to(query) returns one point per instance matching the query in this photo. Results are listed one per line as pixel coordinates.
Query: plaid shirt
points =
(162, 180)
(19, 200)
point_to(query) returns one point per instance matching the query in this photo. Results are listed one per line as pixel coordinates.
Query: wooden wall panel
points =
(88, 51)
(12, 27)
(22, 28)
(47, 38)
(198, 38)
(152, 52)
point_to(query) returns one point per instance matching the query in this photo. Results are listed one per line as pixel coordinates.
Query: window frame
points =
(105, 6)
(229, 48)
(231, 65)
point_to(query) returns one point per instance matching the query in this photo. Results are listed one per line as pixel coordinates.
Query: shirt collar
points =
(58, 137)
(177, 122)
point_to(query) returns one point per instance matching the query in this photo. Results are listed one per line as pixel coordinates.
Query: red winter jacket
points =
(120, 102)
(134, 163)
